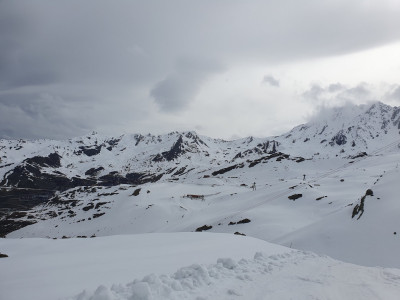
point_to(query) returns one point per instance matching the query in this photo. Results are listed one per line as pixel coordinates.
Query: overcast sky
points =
(224, 68)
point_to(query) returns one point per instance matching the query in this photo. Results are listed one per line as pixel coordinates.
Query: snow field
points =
(324, 226)
(196, 266)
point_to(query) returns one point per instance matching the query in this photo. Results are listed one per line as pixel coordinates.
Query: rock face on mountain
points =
(32, 172)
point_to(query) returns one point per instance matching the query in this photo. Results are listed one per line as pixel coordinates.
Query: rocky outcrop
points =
(175, 151)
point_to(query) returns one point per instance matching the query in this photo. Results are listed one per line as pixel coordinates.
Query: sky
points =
(225, 68)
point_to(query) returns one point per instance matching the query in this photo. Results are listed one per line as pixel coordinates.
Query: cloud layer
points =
(65, 66)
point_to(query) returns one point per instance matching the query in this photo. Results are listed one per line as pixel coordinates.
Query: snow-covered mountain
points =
(328, 186)
(135, 159)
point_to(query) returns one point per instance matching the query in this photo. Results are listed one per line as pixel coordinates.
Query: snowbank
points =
(218, 266)
(50, 269)
(291, 275)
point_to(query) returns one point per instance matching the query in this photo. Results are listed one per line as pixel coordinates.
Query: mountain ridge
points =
(72, 175)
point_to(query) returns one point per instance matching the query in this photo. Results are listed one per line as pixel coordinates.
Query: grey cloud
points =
(394, 93)
(314, 93)
(335, 87)
(271, 80)
(178, 89)
(360, 91)
(40, 115)
(338, 92)
(105, 51)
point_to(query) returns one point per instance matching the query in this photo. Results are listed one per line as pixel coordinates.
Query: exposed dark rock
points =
(7, 165)
(339, 139)
(21, 199)
(89, 150)
(112, 143)
(268, 147)
(227, 169)
(108, 194)
(264, 159)
(99, 204)
(295, 196)
(7, 226)
(360, 154)
(195, 139)
(93, 171)
(88, 207)
(169, 171)
(180, 171)
(136, 192)
(112, 179)
(2, 255)
(203, 228)
(51, 214)
(359, 208)
(141, 178)
(238, 233)
(244, 221)
(30, 175)
(16, 215)
(53, 161)
(176, 150)
(319, 198)
(282, 156)
(323, 129)
(98, 215)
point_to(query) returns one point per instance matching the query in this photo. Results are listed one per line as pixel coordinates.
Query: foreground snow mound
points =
(291, 275)
(89, 268)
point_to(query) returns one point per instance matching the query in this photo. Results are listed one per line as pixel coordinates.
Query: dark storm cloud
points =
(101, 51)
(178, 89)
(271, 80)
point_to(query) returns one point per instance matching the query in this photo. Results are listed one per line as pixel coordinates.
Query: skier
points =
(304, 176)
(254, 186)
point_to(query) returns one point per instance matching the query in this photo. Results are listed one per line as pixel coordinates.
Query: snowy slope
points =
(156, 186)
(197, 266)
(320, 220)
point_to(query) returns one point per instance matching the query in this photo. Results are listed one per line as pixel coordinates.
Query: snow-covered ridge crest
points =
(348, 129)
(342, 132)
(43, 168)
